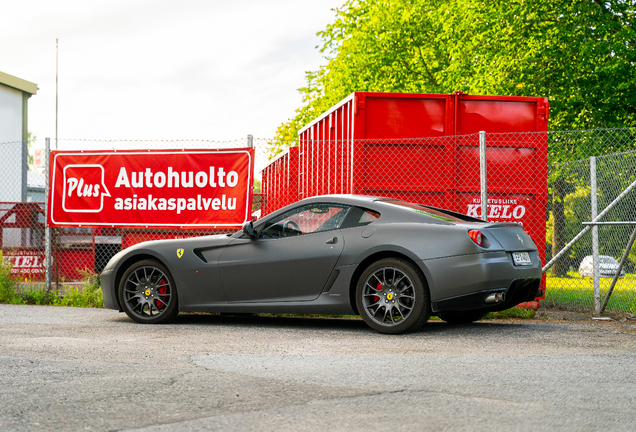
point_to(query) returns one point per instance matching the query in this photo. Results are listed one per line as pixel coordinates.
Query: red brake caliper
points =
(163, 290)
(379, 288)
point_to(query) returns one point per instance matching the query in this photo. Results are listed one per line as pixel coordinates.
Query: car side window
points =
(360, 217)
(305, 220)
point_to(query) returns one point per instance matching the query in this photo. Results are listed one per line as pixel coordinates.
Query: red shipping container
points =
(362, 145)
(280, 181)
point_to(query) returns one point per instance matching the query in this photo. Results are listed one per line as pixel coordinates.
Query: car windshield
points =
(607, 260)
(428, 211)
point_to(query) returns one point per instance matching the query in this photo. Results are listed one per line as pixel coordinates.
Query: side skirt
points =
(325, 304)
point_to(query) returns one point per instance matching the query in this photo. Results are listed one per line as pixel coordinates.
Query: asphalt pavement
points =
(73, 369)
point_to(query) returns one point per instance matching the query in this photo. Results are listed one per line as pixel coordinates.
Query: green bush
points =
(36, 296)
(88, 295)
(8, 292)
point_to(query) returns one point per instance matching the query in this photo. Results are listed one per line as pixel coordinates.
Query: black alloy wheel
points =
(148, 294)
(392, 296)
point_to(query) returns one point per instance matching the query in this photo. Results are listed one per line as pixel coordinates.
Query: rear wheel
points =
(392, 296)
(463, 317)
(148, 294)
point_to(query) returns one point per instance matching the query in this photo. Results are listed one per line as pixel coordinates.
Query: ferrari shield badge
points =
(179, 253)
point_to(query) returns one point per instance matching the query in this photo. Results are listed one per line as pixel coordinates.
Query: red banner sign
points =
(188, 188)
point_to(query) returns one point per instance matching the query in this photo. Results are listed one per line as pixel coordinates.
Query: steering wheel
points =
(291, 225)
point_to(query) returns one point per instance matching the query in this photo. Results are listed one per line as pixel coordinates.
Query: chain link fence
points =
(445, 172)
(571, 281)
(439, 171)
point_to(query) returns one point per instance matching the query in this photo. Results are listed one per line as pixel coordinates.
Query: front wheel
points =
(392, 297)
(148, 294)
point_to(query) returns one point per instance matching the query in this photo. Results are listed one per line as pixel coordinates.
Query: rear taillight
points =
(475, 235)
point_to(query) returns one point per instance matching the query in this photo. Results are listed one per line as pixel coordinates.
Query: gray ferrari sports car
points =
(392, 262)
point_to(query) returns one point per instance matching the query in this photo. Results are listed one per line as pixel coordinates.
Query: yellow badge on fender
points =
(179, 253)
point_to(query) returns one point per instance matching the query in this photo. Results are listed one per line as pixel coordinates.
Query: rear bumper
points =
(473, 273)
(464, 282)
(519, 291)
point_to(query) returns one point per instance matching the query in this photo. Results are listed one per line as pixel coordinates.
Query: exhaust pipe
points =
(495, 298)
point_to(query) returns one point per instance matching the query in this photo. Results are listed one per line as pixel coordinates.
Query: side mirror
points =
(248, 228)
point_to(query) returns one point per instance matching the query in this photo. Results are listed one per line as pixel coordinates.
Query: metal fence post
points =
(250, 141)
(595, 254)
(628, 249)
(47, 229)
(482, 175)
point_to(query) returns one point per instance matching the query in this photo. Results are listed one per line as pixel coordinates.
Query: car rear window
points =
(359, 217)
(436, 213)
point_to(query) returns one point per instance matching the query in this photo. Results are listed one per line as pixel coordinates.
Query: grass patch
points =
(89, 294)
(515, 312)
(573, 292)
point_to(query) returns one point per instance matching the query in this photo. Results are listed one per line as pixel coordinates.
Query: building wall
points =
(36, 184)
(13, 145)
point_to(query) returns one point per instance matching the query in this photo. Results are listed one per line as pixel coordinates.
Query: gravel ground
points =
(93, 369)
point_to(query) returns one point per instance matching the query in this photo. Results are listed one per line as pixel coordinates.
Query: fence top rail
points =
(587, 159)
(609, 223)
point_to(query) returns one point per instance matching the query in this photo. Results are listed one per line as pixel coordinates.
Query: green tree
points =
(579, 53)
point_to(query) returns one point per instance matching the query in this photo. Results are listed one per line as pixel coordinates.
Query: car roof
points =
(378, 204)
(343, 199)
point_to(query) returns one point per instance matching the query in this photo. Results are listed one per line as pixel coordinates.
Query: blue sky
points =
(163, 69)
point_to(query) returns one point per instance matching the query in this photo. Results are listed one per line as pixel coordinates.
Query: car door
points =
(290, 260)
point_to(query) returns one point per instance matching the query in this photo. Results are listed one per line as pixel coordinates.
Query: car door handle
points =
(332, 241)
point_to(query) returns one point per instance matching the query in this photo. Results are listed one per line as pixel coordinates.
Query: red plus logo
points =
(84, 189)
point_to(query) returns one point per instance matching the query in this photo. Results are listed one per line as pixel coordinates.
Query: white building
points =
(14, 97)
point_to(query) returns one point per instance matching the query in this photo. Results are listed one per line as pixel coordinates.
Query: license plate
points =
(521, 258)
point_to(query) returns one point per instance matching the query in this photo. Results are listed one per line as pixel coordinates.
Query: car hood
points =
(166, 248)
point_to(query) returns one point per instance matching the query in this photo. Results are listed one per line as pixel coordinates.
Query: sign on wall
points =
(27, 264)
(158, 188)
(517, 208)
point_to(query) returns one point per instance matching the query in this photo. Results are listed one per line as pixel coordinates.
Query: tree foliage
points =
(579, 53)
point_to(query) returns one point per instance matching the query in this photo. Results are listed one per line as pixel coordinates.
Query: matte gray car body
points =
(318, 272)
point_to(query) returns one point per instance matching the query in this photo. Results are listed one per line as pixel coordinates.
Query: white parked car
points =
(607, 267)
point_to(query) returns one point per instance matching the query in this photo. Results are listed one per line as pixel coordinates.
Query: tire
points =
(463, 317)
(392, 297)
(148, 294)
